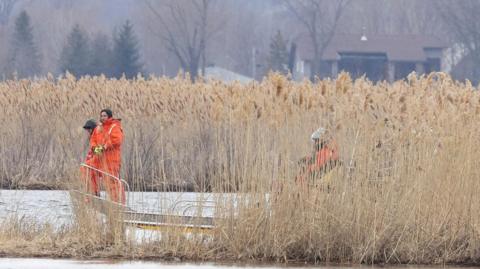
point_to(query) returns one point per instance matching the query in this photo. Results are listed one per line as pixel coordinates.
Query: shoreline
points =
(244, 263)
(46, 187)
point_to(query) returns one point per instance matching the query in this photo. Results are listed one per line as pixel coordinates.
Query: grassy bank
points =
(405, 192)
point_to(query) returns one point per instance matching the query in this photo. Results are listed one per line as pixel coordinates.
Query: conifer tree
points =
(24, 59)
(278, 58)
(101, 56)
(126, 56)
(75, 57)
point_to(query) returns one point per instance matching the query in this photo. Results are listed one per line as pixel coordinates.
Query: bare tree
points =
(461, 18)
(320, 19)
(185, 27)
(392, 17)
(243, 46)
(6, 7)
(62, 16)
(422, 17)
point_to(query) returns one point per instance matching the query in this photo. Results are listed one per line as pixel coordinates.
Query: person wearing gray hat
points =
(89, 176)
(90, 125)
(322, 160)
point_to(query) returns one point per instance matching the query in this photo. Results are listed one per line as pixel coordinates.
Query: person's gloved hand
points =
(98, 150)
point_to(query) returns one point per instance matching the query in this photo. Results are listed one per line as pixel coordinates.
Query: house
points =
(378, 57)
(227, 76)
(466, 68)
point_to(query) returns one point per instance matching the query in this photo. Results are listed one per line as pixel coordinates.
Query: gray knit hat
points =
(318, 134)
(90, 124)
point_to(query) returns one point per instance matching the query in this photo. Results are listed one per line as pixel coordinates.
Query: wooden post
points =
(334, 69)
(390, 71)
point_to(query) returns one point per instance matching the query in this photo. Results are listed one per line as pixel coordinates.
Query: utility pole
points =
(254, 63)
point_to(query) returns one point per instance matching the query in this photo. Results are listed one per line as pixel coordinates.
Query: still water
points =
(74, 264)
(55, 207)
(6, 263)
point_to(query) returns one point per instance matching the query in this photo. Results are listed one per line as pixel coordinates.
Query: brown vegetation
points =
(405, 193)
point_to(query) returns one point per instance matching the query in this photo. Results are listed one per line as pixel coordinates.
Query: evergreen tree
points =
(126, 57)
(278, 58)
(23, 58)
(75, 57)
(101, 57)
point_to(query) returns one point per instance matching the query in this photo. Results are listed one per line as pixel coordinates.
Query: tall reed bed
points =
(405, 191)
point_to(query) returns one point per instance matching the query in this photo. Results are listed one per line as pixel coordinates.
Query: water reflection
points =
(55, 207)
(74, 264)
(6, 263)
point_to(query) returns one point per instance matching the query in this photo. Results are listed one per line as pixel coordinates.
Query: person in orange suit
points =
(108, 149)
(324, 157)
(91, 177)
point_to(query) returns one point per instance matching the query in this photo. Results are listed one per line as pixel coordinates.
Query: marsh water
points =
(55, 207)
(7, 263)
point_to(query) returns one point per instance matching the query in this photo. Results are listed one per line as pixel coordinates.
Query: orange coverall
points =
(324, 157)
(92, 177)
(111, 139)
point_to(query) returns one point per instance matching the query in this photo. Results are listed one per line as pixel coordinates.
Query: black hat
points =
(90, 124)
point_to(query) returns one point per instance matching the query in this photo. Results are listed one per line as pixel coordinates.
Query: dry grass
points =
(406, 192)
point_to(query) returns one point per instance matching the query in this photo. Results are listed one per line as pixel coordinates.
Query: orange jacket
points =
(327, 154)
(324, 156)
(95, 139)
(111, 139)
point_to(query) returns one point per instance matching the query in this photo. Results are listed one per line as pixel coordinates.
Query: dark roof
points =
(396, 47)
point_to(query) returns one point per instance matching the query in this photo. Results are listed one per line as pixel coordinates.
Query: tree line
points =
(81, 55)
(99, 54)
(246, 36)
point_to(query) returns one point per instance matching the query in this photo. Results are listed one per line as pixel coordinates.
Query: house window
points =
(403, 69)
(372, 65)
(325, 69)
(433, 65)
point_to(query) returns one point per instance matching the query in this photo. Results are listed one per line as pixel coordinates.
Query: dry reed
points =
(405, 192)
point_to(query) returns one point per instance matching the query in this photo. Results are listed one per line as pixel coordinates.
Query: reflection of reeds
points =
(405, 192)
